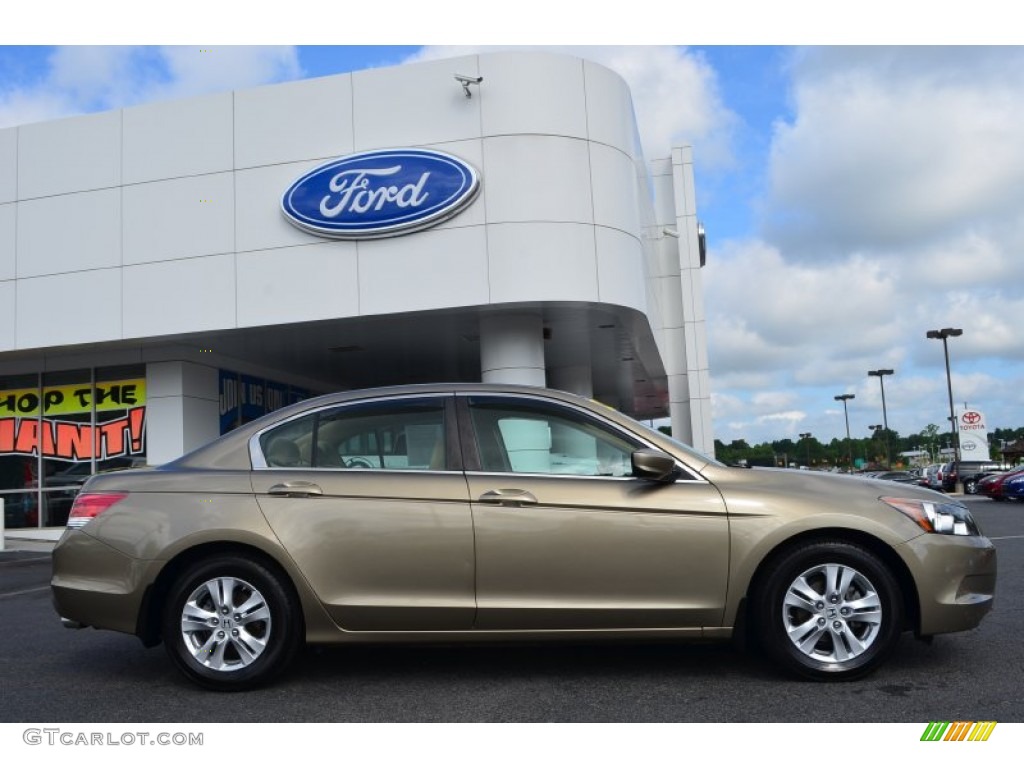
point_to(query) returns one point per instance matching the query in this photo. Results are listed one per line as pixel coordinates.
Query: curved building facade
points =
(157, 288)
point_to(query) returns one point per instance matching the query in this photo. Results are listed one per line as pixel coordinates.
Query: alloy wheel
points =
(832, 613)
(225, 624)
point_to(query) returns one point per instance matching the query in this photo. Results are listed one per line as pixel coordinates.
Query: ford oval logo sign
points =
(381, 193)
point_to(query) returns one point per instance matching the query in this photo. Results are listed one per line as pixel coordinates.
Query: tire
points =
(810, 631)
(971, 486)
(231, 623)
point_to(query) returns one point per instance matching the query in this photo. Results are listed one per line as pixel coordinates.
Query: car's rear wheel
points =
(828, 610)
(231, 623)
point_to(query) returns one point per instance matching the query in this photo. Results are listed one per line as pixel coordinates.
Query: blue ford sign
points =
(379, 194)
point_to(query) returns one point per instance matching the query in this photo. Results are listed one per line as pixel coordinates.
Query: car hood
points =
(810, 483)
(803, 497)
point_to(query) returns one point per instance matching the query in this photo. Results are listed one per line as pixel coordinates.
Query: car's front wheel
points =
(231, 623)
(971, 486)
(828, 610)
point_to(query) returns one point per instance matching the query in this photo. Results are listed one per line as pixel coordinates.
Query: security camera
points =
(468, 80)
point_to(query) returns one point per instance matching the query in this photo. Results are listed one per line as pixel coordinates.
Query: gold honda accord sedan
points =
(473, 512)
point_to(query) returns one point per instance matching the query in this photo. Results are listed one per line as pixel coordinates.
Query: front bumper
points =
(956, 580)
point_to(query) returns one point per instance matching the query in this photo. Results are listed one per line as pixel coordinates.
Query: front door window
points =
(532, 438)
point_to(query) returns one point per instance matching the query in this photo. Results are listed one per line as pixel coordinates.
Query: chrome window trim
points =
(258, 461)
(370, 470)
(556, 476)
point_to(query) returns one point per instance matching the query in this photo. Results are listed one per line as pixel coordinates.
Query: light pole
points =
(944, 334)
(881, 373)
(846, 413)
(805, 436)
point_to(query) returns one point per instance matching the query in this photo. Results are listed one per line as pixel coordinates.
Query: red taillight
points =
(90, 505)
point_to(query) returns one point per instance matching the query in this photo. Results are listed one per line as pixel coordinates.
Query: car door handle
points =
(509, 497)
(295, 488)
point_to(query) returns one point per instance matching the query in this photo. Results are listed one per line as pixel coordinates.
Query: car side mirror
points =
(649, 464)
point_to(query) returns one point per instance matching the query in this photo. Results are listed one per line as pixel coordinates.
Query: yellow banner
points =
(67, 399)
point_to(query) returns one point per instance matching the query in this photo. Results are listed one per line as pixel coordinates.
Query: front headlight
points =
(937, 517)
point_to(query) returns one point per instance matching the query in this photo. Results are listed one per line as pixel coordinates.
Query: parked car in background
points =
(473, 512)
(1013, 487)
(968, 473)
(994, 486)
(929, 477)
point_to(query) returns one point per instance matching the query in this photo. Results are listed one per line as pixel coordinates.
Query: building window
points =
(244, 398)
(58, 429)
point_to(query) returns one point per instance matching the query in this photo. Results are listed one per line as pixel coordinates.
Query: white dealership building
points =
(170, 270)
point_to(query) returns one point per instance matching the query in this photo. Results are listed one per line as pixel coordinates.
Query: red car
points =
(992, 486)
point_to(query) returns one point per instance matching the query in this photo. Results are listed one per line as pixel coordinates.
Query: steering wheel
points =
(358, 463)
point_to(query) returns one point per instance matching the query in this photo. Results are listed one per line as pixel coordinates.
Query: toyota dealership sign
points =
(970, 425)
(380, 194)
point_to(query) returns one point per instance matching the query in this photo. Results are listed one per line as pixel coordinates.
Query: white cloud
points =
(895, 204)
(813, 330)
(84, 79)
(790, 417)
(893, 146)
(89, 74)
(792, 314)
(725, 405)
(196, 70)
(772, 401)
(675, 94)
(19, 106)
(968, 260)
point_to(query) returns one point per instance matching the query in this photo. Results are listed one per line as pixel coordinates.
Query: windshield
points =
(697, 458)
(691, 451)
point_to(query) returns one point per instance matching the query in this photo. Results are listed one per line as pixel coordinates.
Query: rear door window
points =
(402, 434)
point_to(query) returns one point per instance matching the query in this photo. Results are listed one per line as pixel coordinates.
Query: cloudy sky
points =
(854, 197)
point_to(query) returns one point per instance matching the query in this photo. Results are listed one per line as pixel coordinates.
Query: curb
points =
(31, 539)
